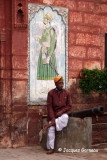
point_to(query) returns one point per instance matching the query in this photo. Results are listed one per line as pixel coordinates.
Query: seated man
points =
(58, 105)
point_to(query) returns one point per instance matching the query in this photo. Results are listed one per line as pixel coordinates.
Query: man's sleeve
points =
(51, 114)
(68, 103)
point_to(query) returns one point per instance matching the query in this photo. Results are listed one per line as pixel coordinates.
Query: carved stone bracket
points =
(20, 26)
(20, 20)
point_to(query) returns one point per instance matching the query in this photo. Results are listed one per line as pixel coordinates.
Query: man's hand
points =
(53, 120)
(49, 125)
(45, 128)
(59, 114)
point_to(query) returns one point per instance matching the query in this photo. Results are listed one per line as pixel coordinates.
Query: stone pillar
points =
(77, 135)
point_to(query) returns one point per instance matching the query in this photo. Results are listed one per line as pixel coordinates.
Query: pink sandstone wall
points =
(20, 123)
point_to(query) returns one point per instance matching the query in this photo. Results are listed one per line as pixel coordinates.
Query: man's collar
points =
(58, 90)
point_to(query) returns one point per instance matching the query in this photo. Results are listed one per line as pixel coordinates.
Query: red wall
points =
(86, 34)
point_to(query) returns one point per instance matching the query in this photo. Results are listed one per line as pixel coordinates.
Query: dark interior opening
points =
(20, 16)
(20, 5)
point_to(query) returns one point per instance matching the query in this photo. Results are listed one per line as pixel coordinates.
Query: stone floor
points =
(37, 153)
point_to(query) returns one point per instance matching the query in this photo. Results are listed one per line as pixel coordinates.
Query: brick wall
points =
(20, 123)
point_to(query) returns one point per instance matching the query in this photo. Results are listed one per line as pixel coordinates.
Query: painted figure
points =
(46, 69)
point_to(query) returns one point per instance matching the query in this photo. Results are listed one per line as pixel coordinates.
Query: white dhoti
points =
(61, 122)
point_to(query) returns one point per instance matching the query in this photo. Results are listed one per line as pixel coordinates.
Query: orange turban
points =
(56, 79)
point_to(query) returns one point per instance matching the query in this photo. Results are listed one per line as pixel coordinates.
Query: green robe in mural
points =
(46, 69)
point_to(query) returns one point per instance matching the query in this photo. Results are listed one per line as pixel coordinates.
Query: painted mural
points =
(47, 49)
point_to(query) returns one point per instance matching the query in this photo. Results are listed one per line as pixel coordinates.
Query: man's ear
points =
(56, 83)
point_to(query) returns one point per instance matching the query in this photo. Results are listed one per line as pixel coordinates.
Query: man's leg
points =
(61, 122)
(50, 139)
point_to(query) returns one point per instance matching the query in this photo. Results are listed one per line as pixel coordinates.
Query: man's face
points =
(60, 84)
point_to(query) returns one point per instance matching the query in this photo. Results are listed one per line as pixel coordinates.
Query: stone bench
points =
(77, 134)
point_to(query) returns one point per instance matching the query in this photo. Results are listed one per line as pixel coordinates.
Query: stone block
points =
(104, 21)
(76, 17)
(91, 20)
(19, 62)
(77, 135)
(86, 6)
(75, 64)
(34, 126)
(20, 74)
(19, 129)
(20, 108)
(92, 64)
(74, 74)
(103, 8)
(19, 46)
(5, 142)
(93, 52)
(85, 29)
(48, 2)
(71, 4)
(5, 139)
(5, 62)
(5, 73)
(78, 107)
(88, 39)
(19, 90)
(60, 3)
(5, 98)
(100, 119)
(77, 51)
(73, 88)
(2, 62)
(71, 37)
(3, 39)
(18, 116)
(99, 133)
(88, 98)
